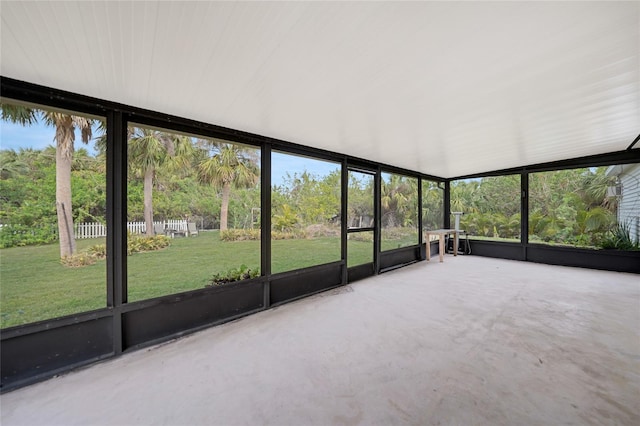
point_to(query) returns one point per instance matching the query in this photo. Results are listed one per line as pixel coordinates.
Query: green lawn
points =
(187, 264)
(403, 241)
(34, 286)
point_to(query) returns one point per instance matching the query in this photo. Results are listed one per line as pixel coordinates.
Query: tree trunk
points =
(148, 201)
(63, 203)
(224, 209)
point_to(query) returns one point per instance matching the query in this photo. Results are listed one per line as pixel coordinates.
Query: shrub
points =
(135, 244)
(397, 233)
(23, 235)
(77, 260)
(233, 275)
(321, 230)
(291, 235)
(99, 251)
(254, 234)
(366, 237)
(240, 235)
(139, 243)
(286, 221)
(620, 239)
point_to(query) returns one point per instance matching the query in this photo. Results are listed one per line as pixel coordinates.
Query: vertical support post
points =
(265, 221)
(447, 204)
(420, 226)
(524, 213)
(344, 191)
(116, 216)
(377, 209)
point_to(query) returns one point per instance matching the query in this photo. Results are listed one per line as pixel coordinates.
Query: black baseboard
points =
(608, 260)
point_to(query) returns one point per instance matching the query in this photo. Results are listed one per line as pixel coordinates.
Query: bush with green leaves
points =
(254, 235)
(240, 235)
(232, 275)
(140, 243)
(366, 237)
(290, 235)
(287, 220)
(135, 244)
(620, 239)
(99, 251)
(78, 260)
(24, 235)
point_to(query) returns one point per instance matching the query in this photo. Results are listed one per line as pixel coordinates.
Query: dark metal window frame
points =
(441, 188)
(36, 351)
(611, 260)
(121, 163)
(419, 212)
(28, 349)
(322, 156)
(357, 272)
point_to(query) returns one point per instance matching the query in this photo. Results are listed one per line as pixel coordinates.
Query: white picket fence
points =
(90, 230)
(96, 230)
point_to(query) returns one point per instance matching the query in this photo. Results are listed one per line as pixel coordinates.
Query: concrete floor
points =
(468, 341)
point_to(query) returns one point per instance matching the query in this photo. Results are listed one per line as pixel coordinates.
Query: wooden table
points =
(441, 233)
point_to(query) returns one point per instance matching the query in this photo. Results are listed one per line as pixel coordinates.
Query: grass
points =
(399, 241)
(359, 251)
(35, 286)
(287, 255)
(186, 265)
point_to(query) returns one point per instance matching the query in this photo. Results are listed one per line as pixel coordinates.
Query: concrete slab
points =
(468, 341)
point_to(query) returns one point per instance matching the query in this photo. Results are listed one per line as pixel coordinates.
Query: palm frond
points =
(18, 114)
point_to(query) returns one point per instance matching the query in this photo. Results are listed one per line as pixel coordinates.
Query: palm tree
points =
(148, 151)
(432, 205)
(65, 126)
(11, 164)
(230, 166)
(396, 198)
(594, 189)
(464, 196)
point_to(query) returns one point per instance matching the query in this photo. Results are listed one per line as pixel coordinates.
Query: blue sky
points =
(283, 163)
(37, 136)
(16, 136)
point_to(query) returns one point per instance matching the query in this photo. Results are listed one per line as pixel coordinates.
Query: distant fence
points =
(97, 230)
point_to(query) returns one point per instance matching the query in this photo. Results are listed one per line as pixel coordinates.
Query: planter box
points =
(608, 260)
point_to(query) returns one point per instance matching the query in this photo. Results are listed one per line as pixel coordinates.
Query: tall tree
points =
(65, 127)
(229, 166)
(399, 201)
(150, 150)
(432, 205)
(11, 164)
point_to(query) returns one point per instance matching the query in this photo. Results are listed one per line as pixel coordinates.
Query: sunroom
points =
(172, 166)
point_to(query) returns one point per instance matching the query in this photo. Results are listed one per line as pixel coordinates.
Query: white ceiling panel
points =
(445, 88)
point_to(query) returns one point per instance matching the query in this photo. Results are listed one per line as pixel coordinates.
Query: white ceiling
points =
(443, 88)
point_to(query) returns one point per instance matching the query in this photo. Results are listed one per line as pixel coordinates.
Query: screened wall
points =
(124, 227)
(581, 212)
(132, 227)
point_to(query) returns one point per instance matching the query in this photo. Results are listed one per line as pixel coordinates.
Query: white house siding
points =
(629, 202)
